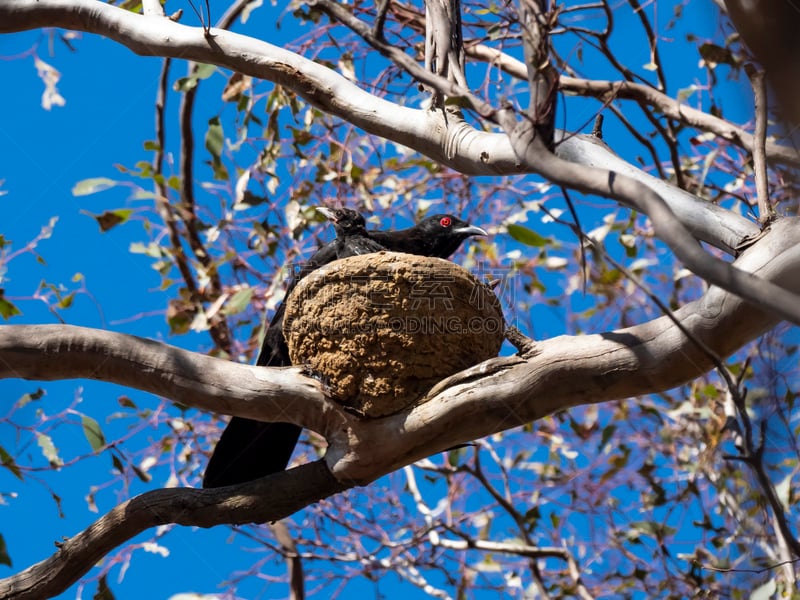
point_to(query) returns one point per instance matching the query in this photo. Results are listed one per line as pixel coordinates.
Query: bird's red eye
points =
(445, 221)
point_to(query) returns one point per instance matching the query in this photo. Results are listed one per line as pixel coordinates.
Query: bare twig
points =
(163, 206)
(753, 456)
(757, 80)
(536, 22)
(628, 90)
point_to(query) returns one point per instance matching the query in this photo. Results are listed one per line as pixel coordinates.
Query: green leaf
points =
(238, 302)
(712, 53)
(93, 433)
(103, 591)
(685, 93)
(7, 461)
(26, 398)
(111, 218)
(184, 84)
(5, 559)
(608, 431)
(455, 456)
(204, 71)
(526, 236)
(92, 186)
(126, 402)
(117, 463)
(152, 250)
(49, 450)
(142, 475)
(7, 310)
(214, 137)
(66, 301)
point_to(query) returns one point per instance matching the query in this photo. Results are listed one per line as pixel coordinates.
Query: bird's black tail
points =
(249, 450)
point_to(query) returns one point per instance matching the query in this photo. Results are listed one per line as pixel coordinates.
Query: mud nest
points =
(382, 329)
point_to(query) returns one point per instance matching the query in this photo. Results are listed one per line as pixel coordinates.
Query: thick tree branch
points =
(609, 184)
(496, 395)
(55, 352)
(268, 499)
(536, 22)
(705, 221)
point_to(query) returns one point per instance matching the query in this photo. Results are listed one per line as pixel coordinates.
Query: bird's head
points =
(346, 221)
(444, 233)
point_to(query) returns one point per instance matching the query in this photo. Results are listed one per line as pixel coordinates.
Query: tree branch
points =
(496, 395)
(669, 107)
(534, 156)
(268, 499)
(56, 352)
(669, 229)
(765, 210)
(607, 91)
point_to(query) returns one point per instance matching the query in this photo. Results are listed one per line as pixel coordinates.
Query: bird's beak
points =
(470, 230)
(327, 213)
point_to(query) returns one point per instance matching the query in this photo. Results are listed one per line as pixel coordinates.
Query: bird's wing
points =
(357, 245)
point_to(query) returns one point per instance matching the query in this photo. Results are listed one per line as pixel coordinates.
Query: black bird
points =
(251, 449)
(438, 236)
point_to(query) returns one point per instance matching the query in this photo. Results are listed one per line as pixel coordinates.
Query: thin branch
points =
(758, 81)
(218, 326)
(293, 560)
(165, 210)
(737, 570)
(627, 90)
(380, 19)
(753, 456)
(263, 500)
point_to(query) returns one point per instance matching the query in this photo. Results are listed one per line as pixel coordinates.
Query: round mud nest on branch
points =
(382, 329)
